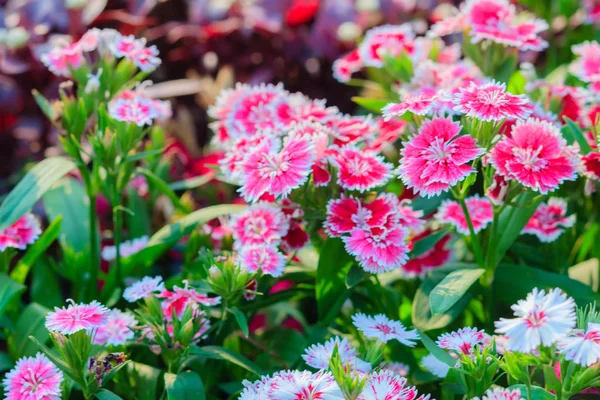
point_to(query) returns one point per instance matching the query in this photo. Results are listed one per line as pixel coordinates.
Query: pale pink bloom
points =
(21, 233)
(116, 330)
(386, 40)
(385, 385)
(140, 185)
(274, 171)
(449, 25)
(501, 394)
(291, 385)
(380, 327)
(319, 355)
(480, 212)
(296, 108)
(420, 104)
(259, 224)
(541, 320)
(33, 378)
(491, 102)
(524, 35)
(126, 248)
(397, 368)
(138, 110)
(435, 366)
(463, 341)
(60, 60)
(587, 66)
(436, 158)
(89, 40)
(582, 347)
(77, 317)
(549, 220)
(135, 50)
(344, 67)
(360, 170)
(265, 258)
(146, 58)
(409, 217)
(145, 288)
(536, 155)
(179, 299)
(378, 249)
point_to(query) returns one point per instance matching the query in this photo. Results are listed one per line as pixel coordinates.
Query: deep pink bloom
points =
(591, 163)
(498, 190)
(389, 132)
(344, 67)
(231, 163)
(77, 317)
(587, 66)
(436, 256)
(145, 288)
(480, 212)
(60, 60)
(250, 289)
(33, 378)
(260, 224)
(491, 102)
(436, 158)
(345, 214)
(549, 220)
(420, 104)
(536, 155)
(264, 258)
(116, 330)
(350, 129)
(360, 170)
(179, 299)
(386, 40)
(268, 170)
(23, 232)
(378, 249)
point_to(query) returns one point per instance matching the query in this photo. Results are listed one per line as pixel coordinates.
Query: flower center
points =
(530, 158)
(535, 318)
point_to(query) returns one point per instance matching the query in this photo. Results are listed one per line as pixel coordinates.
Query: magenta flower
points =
(378, 249)
(463, 341)
(386, 40)
(231, 163)
(23, 232)
(264, 258)
(260, 224)
(145, 288)
(344, 67)
(179, 299)
(549, 221)
(480, 212)
(33, 378)
(77, 317)
(382, 328)
(274, 171)
(536, 155)
(360, 170)
(419, 104)
(60, 60)
(117, 329)
(409, 217)
(436, 158)
(491, 102)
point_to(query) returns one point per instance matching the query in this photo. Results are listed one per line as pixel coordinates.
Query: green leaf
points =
(5, 362)
(186, 385)
(105, 394)
(144, 154)
(537, 393)
(529, 278)
(31, 188)
(355, 275)
(452, 288)
(8, 290)
(374, 105)
(192, 183)
(45, 105)
(334, 265)
(44, 287)
(163, 187)
(19, 273)
(31, 322)
(434, 349)
(68, 200)
(221, 353)
(427, 243)
(572, 132)
(145, 378)
(139, 222)
(517, 83)
(511, 222)
(241, 319)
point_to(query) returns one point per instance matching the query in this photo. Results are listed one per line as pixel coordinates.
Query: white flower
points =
(435, 366)
(93, 83)
(126, 248)
(144, 288)
(319, 355)
(501, 394)
(384, 329)
(117, 329)
(463, 341)
(582, 348)
(385, 385)
(541, 319)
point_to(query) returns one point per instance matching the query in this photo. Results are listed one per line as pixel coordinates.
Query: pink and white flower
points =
(385, 385)
(134, 107)
(491, 102)
(145, 288)
(60, 60)
(126, 248)
(21, 233)
(536, 155)
(386, 40)
(378, 249)
(380, 327)
(435, 366)
(397, 368)
(541, 319)
(116, 330)
(549, 220)
(501, 394)
(77, 317)
(582, 347)
(587, 66)
(33, 378)
(319, 355)
(263, 258)
(463, 341)
(288, 385)
(360, 170)
(344, 67)
(259, 224)
(498, 190)
(480, 211)
(176, 301)
(276, 171)
(436, 158)
(419, 104)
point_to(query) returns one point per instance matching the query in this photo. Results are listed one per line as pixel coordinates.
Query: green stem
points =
(117, 237)
(474, 239)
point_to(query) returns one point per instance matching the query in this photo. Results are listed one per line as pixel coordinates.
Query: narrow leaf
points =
(241, 320)
(434, 349)
(8, 290)
(221, 353)
(452, 288)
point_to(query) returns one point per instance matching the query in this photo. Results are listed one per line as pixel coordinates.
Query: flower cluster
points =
(133, 106)
(23, 232)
